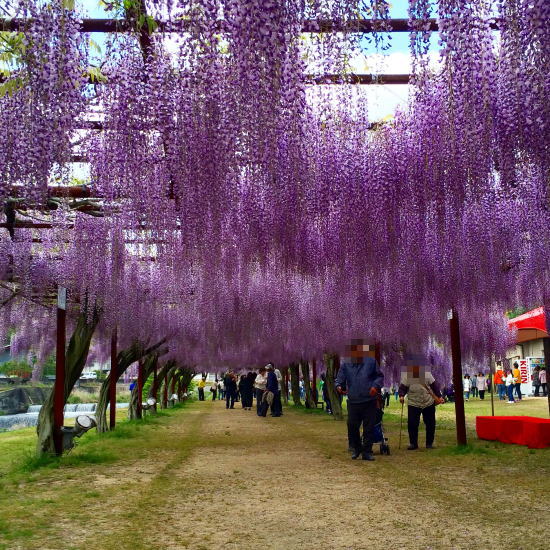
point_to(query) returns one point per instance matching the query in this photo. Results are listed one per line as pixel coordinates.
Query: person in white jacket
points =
(509, 383)
(467, 386)
(481, 385)
(259, 385)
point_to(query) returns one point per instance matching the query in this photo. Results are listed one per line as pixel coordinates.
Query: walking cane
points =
(401, 424)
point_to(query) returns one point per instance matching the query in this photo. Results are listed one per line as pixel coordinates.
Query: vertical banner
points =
(525, 373)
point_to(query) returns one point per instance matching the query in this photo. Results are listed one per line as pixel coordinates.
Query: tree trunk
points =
(75, 360)
(161, 375)
(149, 364)
(295, 383)
(310, 400)
(331, 363)
(284, 386)
(125, 358)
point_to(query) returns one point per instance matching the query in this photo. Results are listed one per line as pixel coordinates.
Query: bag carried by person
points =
(213, 388)
(268, 397)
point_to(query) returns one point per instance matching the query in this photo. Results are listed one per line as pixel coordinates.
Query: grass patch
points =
(461, 450)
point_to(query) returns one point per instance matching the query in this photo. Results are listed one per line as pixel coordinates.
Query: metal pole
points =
(457, 377)
(139, 388)
(113, 380)
(59, 387)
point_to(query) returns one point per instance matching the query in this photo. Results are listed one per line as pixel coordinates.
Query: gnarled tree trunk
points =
(161, 375)
(309, 399)
(331, 363)
(125, 358)
(149, 363)
(75, 360)
(295, 383)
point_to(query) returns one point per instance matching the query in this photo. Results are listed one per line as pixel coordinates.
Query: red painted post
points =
(165, 393)
(139, 388)
(457, 377)
(113, 379)
(59, 387)
(314, 380)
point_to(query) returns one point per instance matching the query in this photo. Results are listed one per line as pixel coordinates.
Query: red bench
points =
(521, 430)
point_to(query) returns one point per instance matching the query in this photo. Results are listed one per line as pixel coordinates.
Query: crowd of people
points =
(362, 382)
(265, 386)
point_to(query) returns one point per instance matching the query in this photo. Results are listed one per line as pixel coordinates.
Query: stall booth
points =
(529, 349)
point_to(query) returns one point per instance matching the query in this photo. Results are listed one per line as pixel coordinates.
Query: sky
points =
(383, 99)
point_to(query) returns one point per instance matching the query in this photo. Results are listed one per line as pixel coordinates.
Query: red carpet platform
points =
(522, 430)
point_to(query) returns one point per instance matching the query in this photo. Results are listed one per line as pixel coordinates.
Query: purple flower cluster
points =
(250, 217)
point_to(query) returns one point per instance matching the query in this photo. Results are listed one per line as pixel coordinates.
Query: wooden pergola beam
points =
(313, 26)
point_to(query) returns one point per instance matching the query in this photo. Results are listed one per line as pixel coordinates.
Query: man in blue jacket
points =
(361, 379)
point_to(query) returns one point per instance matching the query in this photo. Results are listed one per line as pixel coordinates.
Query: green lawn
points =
(126, 473)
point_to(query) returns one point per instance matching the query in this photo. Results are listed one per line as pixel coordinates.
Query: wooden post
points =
(139, 387)
(165, 392)
(457, 377)
(546, 348)
(113, 380)
(492, 379)
(59, 387)
(314, 380)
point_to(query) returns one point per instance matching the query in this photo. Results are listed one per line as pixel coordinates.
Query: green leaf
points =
(151, 24)
(95, 46)
(69, 4)
(95, 74)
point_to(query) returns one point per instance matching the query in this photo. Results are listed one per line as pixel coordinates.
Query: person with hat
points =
(423, 395)
(361, 379)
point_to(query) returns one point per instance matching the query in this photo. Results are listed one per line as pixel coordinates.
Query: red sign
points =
(524, 371)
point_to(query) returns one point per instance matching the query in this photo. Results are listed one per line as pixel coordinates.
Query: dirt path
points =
(249, 482)
(208, 478)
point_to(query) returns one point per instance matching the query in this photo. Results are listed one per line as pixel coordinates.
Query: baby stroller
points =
(379, 437)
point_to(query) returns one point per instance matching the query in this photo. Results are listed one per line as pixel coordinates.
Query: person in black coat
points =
(272, 386)
(230, 382)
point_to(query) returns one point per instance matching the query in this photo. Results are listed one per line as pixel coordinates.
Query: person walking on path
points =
(517, 380)
(230, 390)
(259, 385)
(536, 380)
(467, 384)
(324, 390)
(200, 386)
(246, 389)
(499, 381)
(542, 378)
(481, 385)
(277, 401)
(272, 385)
(423, 394)
(509, 383)
(221, 393)
(361, 379)
(214, 390)
(473, 386)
